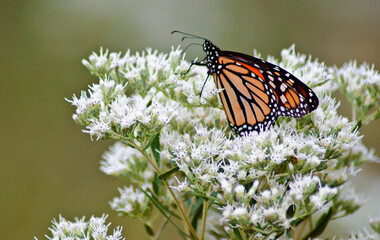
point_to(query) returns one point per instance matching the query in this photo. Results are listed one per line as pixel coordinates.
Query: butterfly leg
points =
(195, 63)
(200, 94)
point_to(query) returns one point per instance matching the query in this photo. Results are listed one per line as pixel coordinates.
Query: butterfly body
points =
(255, 92)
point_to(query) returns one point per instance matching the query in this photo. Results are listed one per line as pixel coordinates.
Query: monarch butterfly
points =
(254, 92)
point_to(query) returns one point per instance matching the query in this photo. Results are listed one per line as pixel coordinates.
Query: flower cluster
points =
(109, 113)
(176, 150)
(124, 162)
(364, 235)
(259, 178)
(375, 224)
(361, 86)
(132, 202)
(96, 228)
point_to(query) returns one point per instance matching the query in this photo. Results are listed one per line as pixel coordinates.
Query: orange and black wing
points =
(249, 102)
(294, 98)
(255, 93)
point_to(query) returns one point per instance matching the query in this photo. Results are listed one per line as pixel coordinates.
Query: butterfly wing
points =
(255, 93)
(249, 102)
(294, 98)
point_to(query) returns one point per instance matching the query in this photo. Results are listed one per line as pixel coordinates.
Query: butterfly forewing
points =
(248, 101)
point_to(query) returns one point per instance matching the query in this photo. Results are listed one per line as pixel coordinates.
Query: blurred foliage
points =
(49, 167)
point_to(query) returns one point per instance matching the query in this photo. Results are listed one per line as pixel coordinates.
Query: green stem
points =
(302, 229)
(150, 160)
(220, 202)
(371, 117)
(163, 224)
(182, 211)
(191, 205)
(204, 215)
(311, 223)
(183, 207)
(343, 215)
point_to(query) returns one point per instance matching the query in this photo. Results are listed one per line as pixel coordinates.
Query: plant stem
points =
(302, 228)
(212, 198)
(191, 205)
(204, 215)
(311, 223)
(155, 162)
(182, 211)
(162, 226)
(183, 207)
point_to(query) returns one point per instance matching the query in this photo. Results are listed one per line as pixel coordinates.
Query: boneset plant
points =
(184, 166)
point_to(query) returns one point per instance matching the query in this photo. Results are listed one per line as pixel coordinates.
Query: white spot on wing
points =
(283, 87)
(283, 99)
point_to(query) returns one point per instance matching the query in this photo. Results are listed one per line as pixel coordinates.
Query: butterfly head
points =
(212, 55)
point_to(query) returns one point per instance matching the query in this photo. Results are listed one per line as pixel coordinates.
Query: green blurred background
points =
(49, 167)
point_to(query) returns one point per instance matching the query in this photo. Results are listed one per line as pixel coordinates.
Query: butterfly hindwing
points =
(295, 99)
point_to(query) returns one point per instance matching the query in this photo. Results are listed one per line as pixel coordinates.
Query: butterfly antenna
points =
(188, 35)
(191, 44)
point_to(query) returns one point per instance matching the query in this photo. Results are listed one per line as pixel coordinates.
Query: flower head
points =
(96, 228)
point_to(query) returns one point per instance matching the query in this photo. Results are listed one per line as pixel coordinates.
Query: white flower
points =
(323, 195)
(80, 229)
(301, 186)
(240, 190)
(310, 72)
(99, 61)
(97, 128)
(227, 212)
(226, 186)
(363, 235)
(240, 212)
(375, 223)
(118, 159)
(182, 186)
(131, 201)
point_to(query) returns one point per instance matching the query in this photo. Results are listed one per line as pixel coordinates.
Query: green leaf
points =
(150, 141)
(156, 148)
(149, 102)
(158, 204)
(321, 225)
(154, 143)
(195, 207)
(163, 210)
(128, 144)
(165, 175)
(149, 230)
(357, 126)
(290, 212)
(157, 185)
(237, 233)
(212, 200)
(289, 234)
(196, 212)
